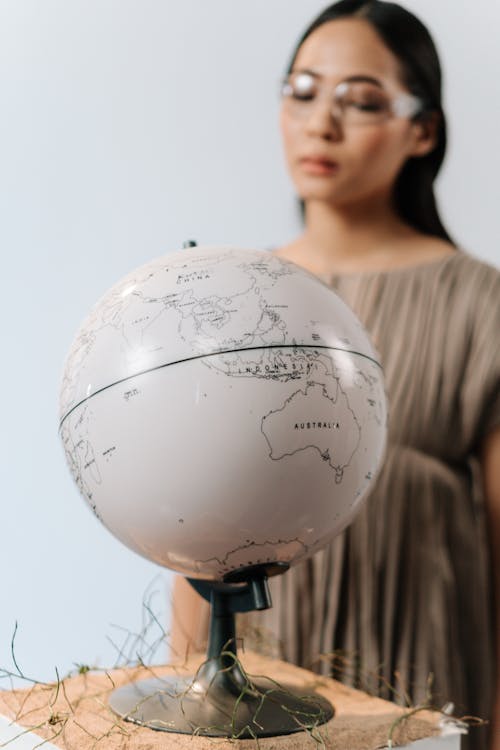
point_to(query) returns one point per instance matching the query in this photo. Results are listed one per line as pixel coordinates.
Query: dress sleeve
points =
(480, 397)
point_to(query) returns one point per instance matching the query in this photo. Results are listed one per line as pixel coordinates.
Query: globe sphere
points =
(222, 408)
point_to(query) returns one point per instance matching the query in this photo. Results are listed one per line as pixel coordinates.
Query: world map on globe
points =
(222, 408)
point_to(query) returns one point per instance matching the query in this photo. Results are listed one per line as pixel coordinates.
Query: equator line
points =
(214, 354)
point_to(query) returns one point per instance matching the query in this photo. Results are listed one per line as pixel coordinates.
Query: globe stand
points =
(220, 700)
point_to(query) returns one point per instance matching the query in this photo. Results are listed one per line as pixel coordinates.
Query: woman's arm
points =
(491, 478)
(190, 615)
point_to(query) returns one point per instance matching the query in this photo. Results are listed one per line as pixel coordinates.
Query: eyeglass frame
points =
(404, 105)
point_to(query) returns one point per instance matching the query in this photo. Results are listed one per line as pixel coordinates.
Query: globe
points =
(222, 408)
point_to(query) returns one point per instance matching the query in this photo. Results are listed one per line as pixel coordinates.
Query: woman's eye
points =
(365, 104)
(369, 106)
(303, 96)
(364, 99)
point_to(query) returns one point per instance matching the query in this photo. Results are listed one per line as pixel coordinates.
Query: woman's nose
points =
(323, 121)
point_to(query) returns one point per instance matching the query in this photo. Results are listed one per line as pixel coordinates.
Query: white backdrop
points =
(127, 127)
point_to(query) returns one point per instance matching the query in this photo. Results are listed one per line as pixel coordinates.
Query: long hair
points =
(410, 41)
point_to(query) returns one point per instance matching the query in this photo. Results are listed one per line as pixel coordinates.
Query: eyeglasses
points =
(354, 102)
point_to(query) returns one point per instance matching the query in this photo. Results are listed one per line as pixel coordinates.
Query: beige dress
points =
(404, 596)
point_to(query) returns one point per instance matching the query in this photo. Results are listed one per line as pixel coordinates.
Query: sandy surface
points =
(75, 714)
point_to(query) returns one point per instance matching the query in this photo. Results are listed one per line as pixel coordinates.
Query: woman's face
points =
(367, 157)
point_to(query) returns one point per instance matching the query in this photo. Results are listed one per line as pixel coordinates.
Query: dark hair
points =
(410, 41)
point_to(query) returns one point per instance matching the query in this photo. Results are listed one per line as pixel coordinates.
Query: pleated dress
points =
(401, 603)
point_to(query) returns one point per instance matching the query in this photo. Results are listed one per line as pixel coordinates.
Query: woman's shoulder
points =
(448, 264)
(471, 276)
(431, 254)
(458, 291)
(448, 288)
(467, 262)
(462, 281)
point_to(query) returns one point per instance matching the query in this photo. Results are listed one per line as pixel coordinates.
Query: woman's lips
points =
(318, 165)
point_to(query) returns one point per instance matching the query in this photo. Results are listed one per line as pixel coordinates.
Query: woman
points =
(406, 592)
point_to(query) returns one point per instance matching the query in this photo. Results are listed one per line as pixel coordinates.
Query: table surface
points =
(14, 734)
(75, 715)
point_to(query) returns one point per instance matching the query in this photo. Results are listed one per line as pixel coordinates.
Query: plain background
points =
(127, 127)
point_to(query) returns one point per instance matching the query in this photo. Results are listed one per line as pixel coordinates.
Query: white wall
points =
(128, 126)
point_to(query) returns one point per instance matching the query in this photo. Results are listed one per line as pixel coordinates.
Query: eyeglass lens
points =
(356, 102)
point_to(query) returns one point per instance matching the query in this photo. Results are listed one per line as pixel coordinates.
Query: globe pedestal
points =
(221, 700)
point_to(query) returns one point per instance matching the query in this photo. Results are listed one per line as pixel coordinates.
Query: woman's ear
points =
(425, 134)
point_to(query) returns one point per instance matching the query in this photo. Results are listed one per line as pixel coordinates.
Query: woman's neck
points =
(362, 237)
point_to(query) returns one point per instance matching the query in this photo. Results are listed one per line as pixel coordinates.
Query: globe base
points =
(221, 700)
(217, 703)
